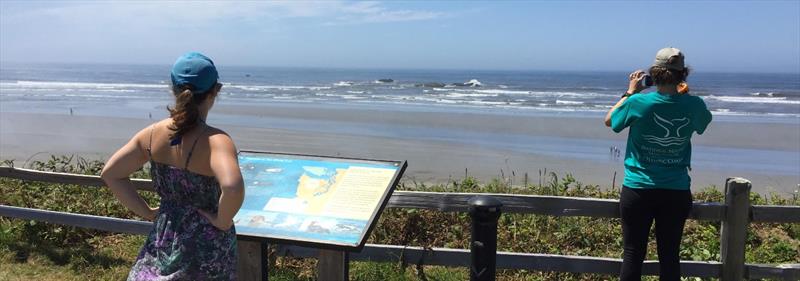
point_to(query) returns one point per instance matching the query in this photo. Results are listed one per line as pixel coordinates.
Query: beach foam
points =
(567, 102)
(344, 83)
(751, 99)
(75, 85)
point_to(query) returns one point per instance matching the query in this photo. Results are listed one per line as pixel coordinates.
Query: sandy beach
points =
(439, 146)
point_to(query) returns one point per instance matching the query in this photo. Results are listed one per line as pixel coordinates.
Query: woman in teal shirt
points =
(657, 161)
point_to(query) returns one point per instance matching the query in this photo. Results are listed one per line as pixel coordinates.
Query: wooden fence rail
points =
(457, 202)
(441, 201)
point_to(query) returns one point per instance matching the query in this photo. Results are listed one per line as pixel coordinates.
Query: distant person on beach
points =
(195, 171)
(657, 161)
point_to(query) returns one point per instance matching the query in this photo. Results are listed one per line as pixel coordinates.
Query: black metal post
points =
(264, 261)
(484, 211)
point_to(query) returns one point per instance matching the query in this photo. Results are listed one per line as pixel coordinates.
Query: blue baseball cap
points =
(194, 69)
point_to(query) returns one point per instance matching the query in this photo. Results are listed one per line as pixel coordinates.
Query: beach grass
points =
(35, 250)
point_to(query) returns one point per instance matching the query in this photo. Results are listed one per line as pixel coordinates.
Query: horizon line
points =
(694, 70)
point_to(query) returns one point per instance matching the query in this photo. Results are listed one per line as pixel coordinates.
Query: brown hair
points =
(186, 113)
(663, 76)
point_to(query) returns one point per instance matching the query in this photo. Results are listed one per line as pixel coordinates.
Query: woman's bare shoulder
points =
(217, 138)
(144, 133)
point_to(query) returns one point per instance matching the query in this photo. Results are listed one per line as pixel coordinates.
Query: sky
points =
(732, 36)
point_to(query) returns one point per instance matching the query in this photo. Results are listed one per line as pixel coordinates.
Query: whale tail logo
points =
(672, 134)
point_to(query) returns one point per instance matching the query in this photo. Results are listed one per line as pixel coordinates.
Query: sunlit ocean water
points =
(56, 87)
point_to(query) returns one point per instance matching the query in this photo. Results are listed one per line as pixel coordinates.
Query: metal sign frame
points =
(321, 244)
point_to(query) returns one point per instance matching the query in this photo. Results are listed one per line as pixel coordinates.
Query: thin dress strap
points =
(189, 157)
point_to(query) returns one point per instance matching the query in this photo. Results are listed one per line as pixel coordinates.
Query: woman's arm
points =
(608, 115)
(225, 166)
(634, 86)
(119, 167)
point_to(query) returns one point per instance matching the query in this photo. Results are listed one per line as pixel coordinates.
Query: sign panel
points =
(308, 200)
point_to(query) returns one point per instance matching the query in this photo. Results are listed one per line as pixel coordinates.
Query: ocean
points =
(441, 121)
(144, 88)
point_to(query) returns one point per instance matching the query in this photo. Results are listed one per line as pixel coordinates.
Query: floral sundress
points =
(183, 244)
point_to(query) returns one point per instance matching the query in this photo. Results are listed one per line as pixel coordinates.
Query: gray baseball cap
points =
(671, 58)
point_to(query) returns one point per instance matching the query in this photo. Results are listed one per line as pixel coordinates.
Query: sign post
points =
(333, 265)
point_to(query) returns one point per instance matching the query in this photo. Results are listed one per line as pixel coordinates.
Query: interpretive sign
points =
(304, 199)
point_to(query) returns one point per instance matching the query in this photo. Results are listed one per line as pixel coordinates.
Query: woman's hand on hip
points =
(216, 221)
(152, 214)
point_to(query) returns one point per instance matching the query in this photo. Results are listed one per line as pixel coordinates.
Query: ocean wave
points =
(344, 83)
(328, 94)
(574, 94)
(339, 95)
(569, 102)
(725, 112)
(85, 96)
(484, 91)
(770, 94)
(469, 95)
(353, 97)
(261, 88)
(435, 100)
(750, 99)
(524, 93)
(542, 93)
(61, 90)
(475, 104)
(503, 92)
(471, 83)
(492, 103)
(77, 85)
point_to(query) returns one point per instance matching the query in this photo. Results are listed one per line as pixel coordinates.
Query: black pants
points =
(639, 207)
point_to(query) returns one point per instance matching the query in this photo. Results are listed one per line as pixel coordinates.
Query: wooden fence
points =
(735, 216)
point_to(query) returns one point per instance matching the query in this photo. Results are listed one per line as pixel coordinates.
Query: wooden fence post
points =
(333, 265)
(734, 228)
(249, 267)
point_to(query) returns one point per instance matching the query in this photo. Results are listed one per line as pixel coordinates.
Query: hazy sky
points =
(730, 36)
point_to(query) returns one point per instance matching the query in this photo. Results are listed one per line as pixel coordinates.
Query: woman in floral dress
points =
(196, 173)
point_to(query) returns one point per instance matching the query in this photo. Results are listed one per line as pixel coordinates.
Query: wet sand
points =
(439, 146)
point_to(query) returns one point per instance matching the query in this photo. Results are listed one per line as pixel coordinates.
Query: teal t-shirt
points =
(659, 149)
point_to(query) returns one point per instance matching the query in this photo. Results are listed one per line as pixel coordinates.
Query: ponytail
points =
(186, 113)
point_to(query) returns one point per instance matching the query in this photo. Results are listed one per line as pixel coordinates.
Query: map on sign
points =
(312, 199)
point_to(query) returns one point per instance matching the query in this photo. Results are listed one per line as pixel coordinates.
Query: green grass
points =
(35, 250)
